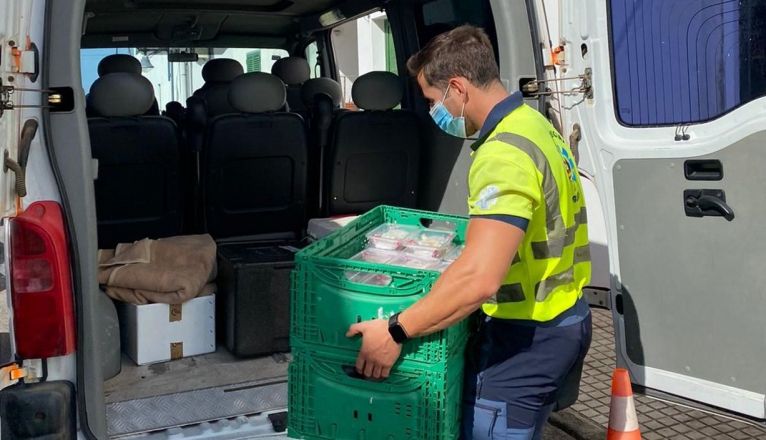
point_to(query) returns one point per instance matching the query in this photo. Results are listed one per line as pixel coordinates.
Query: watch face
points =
(397, 333)
(395, 329)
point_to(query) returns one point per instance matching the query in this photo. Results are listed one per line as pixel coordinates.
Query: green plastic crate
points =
(326, 402)
(324, 303)
(347, 241)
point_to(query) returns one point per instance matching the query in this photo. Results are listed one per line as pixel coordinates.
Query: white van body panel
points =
(607, 142)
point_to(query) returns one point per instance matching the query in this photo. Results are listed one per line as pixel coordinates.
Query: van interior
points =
(244, 120)
(248, 119)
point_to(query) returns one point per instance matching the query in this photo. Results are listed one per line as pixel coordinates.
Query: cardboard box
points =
(161, 332)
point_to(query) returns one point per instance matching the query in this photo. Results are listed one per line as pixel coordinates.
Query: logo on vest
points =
(569, 164)
(488, 197)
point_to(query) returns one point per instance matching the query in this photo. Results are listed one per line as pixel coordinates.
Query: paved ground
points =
(657, 419)
(588, 418)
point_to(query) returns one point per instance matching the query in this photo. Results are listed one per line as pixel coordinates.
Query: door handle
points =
(712, 203)
(705, 169)
(707, 202)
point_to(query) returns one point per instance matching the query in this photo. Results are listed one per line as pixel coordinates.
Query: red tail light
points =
(41, 287)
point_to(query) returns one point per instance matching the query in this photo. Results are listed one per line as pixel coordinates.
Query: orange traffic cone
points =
(623, 421)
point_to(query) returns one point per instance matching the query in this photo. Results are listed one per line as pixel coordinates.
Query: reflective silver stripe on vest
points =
(510, 293)
(546, 286)
(559, 236)
(582, 254)
(554, 222)
(553, 248)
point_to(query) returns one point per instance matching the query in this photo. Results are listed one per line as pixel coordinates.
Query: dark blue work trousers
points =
(514, 371)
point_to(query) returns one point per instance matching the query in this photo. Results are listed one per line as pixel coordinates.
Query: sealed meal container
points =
(414, 262)
(453, 253)
(429, 243)
(368, 278)
(390, 236)
(390, 258)
(375, 255)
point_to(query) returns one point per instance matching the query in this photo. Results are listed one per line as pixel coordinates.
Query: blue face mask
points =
(444, 119)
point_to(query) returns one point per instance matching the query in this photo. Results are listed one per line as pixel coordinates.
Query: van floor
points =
(193, 390)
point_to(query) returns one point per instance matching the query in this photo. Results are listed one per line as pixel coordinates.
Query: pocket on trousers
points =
(489, 421)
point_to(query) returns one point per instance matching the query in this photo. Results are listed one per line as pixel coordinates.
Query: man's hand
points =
(379, 351)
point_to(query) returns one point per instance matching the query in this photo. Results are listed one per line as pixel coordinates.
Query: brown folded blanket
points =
(169, 270)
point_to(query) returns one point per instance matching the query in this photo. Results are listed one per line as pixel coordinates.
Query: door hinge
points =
(26, 61)
(585, 86)
(58, 98)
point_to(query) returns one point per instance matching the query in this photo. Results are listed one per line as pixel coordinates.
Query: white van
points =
(664, 103)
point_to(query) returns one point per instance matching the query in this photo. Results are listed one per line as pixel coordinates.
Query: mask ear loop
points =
(445, 93)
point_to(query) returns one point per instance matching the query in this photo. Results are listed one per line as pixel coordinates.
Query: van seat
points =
(138, 190)
(321, 97)
(119, 63)
(254, 163)
(373, 154)
(293, 71)
(218, 74)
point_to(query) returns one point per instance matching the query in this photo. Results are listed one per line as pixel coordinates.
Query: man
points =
(526, 255)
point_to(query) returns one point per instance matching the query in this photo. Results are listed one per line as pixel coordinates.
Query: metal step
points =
(242, 427)
(191, 407)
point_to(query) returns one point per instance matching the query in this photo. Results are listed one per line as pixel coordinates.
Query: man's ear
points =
(460, 86)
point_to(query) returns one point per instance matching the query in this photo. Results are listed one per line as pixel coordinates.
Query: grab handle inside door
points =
(707, 202)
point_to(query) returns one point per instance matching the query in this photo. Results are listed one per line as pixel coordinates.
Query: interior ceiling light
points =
(331, 17)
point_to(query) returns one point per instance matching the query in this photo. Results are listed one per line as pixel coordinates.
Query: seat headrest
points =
(377, 91)
(221, 70)
(119, 62)
(321, 86)
(292, 70)
(121, 94)
(257, 92)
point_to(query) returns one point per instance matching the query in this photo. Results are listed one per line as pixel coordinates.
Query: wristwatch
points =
(395, 329)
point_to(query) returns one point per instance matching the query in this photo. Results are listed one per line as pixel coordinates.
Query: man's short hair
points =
(464, 51)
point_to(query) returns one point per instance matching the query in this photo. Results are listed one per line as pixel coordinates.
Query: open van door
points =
(675, 128)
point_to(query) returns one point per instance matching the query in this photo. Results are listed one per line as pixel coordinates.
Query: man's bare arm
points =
(470, 281)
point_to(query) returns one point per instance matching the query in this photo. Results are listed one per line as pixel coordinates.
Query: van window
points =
(439, 16)
(681, 62)
(177, 81)
(89, 59)
(361, 46)
(312, 56)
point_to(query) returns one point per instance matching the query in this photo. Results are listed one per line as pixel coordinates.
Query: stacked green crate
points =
(421, 398)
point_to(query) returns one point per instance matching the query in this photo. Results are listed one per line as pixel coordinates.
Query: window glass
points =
(362, 46)
(439, 16)
(686, 61)
(89, 59)
(312, 56)
(253, 61)
(177, 81)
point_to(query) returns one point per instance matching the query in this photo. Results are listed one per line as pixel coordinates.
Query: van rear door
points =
(13, 34)
(676, 130)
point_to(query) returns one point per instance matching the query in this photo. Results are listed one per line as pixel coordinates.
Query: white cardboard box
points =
(161, 332)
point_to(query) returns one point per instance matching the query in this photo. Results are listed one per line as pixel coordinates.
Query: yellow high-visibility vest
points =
(524, 168)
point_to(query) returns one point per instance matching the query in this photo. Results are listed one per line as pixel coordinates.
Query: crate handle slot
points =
(400, 383)
(351, 372)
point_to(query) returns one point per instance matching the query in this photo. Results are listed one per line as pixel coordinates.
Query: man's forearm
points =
(455, 295)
